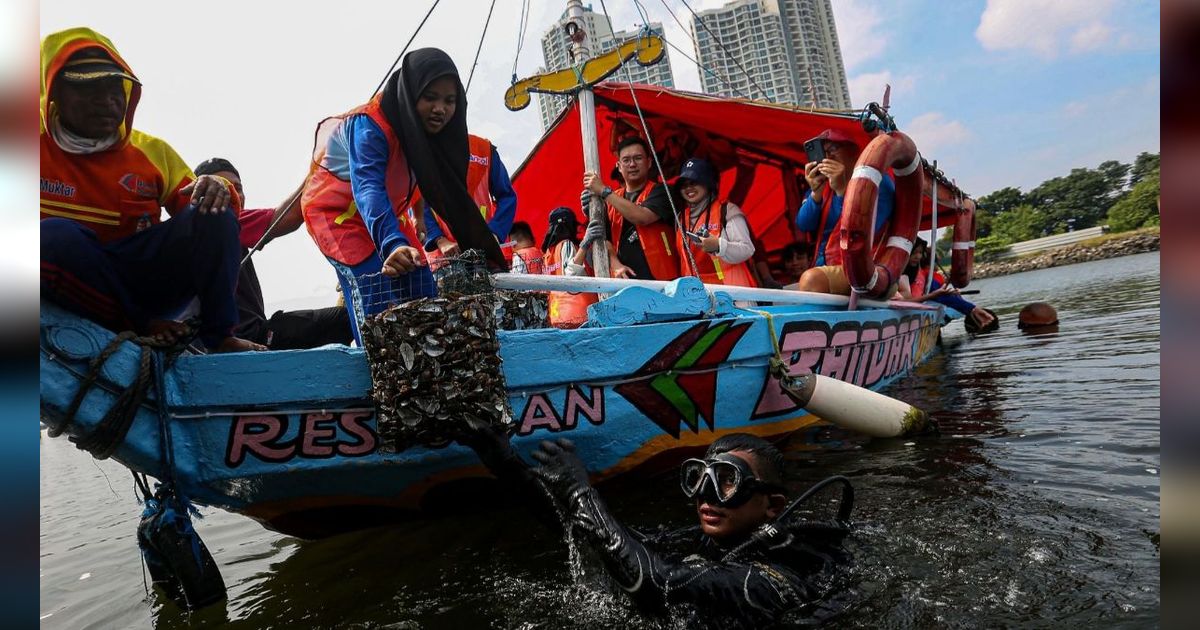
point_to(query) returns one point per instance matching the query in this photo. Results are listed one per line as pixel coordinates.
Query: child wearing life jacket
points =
(567, 310)
(526, 256)
(714, 229)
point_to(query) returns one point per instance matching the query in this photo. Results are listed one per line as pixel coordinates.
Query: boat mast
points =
(576, 82)
(580, 53)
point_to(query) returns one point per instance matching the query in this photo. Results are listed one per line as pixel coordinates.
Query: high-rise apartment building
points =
(556, 51)
(783, 51)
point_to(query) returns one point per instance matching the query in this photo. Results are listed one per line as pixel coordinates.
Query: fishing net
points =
(435, 362)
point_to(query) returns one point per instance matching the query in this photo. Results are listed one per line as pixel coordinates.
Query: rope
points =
(405, 49)
(275, 221)
(726, 50)
(524, 21)
(474, 63)
(687, 249)
(723, 80)
(112, 428)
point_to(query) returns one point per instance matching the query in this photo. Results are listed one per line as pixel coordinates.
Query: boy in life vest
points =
(105, 252)
(527, 256)
(640, 226)
(821, 212)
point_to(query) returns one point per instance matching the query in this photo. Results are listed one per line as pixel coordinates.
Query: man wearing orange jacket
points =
(641, 225)
(105, 252)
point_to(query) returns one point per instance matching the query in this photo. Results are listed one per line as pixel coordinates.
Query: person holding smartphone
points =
(832, 155)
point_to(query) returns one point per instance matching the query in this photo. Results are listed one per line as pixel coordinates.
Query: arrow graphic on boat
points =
(679, 383)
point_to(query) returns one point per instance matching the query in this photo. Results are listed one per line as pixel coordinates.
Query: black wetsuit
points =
(753, 584)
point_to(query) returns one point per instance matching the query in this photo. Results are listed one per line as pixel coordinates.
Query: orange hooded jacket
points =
(119, 190)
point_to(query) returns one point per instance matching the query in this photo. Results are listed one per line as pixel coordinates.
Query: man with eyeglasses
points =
(747, 565)
(640, 224)
(822, 210)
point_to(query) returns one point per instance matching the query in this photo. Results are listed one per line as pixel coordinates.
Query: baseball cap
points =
(92, 64)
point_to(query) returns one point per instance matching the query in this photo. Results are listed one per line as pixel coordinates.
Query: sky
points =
(1000, 92)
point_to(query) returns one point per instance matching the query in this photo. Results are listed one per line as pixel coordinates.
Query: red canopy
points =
(757, 147)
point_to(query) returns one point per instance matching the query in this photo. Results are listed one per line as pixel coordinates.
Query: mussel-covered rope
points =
(110, 431)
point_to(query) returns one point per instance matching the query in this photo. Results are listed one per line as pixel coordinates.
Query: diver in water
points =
(747, 565)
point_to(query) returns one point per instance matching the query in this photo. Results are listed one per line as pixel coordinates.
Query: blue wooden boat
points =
(288, 437)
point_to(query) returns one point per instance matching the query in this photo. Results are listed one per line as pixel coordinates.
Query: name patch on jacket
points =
(55, 187)
(138, 186)
(481, 160)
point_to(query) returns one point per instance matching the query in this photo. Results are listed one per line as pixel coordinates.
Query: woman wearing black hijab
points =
(412, 134)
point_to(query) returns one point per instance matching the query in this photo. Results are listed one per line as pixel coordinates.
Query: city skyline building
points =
(739, 45)
(556, 53)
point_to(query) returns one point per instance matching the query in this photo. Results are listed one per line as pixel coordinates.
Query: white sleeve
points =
(518, 265)
(566, 251)
(736, 245)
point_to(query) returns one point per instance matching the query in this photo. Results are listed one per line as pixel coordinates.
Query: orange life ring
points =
(962, 251)
(875, 278)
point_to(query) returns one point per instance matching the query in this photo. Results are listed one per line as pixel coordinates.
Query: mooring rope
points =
(112, 428)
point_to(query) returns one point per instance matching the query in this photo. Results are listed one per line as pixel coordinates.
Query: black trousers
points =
(294, 330)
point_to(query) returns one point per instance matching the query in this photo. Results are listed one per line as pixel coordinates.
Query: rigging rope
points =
(687, 249)
(405, 49)
(724, 81)
(263, 241)
(728, 55)
(524, 20)
(474, 63)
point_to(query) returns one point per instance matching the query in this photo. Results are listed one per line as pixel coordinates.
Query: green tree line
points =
(1122, 196)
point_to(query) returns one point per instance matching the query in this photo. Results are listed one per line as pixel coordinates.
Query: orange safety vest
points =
(479, 172)
(330, 212)
(655, 238)
(917, 286)
(567, 310)
(712, 269)
(532, 257)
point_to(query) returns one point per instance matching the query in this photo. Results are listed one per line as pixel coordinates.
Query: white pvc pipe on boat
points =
(589, 284)
(932, 236)
(859, 409)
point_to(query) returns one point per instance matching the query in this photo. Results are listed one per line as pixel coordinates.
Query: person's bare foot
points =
(237, 344)
(167, 331)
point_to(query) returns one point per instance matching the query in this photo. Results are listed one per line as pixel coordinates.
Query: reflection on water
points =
(1036, 505)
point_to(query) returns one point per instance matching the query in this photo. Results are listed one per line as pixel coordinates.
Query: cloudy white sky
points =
(1001, 92)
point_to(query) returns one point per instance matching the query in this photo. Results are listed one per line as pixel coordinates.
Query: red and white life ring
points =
(875, 277)
(962, 251)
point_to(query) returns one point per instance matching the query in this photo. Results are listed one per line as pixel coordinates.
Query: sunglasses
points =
(726, 480)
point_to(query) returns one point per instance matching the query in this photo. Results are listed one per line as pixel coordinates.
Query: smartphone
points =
(693, 236)
(815, 150)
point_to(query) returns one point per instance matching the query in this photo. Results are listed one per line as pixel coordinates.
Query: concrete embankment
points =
(1109, 246)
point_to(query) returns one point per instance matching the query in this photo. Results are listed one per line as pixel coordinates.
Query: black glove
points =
(561, 471)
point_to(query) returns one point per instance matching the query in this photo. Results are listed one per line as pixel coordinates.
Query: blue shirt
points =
(810, 214)
(955, 302)
(506, 204)
(368, 152)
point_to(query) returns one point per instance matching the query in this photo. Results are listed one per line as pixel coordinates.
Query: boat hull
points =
(288, 438)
